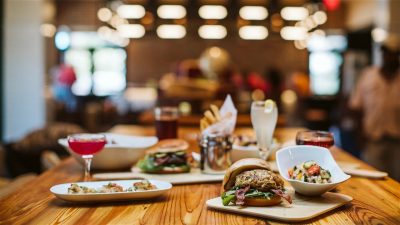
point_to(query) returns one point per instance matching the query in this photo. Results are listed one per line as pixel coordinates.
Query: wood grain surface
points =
(375, 201)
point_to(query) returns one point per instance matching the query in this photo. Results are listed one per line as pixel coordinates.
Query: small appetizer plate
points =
(61, 191)
(291, 156)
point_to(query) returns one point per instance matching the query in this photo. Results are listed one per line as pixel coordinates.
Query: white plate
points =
(61, 191)
(240, 152)
(302, 207)
(194, 176)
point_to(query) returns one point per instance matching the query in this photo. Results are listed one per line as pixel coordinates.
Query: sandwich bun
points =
(275, 200)
(169, 145)
(240, 166)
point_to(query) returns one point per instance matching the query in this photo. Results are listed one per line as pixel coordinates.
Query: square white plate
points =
(61, 191)
(302, 208)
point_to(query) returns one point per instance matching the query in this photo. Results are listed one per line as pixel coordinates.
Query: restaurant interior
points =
(89, 66)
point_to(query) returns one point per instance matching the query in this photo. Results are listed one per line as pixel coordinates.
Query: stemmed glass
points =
(86, 145)
(315, 137)
(264, 116)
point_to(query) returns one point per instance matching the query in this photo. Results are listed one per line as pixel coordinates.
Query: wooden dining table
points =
(375, 201)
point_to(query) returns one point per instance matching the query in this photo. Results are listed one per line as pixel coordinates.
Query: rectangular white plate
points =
(61, 191)
(302, 208)
(194, 176)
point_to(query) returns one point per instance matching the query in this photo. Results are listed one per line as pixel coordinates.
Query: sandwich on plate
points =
(251, 182)
(168, 156)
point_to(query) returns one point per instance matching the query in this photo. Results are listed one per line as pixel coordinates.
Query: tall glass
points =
(264, 116)
(166, 122)
(86, 145)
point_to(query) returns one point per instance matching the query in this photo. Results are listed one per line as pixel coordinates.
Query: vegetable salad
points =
(310, 172)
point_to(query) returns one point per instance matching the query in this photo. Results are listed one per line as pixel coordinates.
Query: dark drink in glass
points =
(166, 122)
(317, 138)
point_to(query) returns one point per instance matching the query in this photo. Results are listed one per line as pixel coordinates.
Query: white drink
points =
(264, 116)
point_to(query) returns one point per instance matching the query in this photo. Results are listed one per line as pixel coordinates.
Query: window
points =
(100, 67)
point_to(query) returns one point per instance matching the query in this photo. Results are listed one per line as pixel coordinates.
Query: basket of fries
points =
(216, 141)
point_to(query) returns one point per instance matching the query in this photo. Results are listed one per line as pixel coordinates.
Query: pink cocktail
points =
(86, 145)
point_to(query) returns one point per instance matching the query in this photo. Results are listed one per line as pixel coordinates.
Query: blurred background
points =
(92, 64)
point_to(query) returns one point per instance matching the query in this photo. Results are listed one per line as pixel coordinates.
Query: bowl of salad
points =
(311, 170)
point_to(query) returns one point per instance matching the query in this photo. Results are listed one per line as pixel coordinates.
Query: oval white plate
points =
(61, 191)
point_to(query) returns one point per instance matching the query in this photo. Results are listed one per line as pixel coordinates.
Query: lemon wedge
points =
(269, 106)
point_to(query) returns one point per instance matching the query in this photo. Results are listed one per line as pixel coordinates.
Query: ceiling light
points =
(131, 30)
(117, 20)
(131, 11)
(171, 31)
(379, 34)
(320, 17)
(294, 13)
(48, 29)
(253, 32)
(104, 14)
(212, 32)
(294, 33)
(215, 12)
(171, 12)
(253, 13)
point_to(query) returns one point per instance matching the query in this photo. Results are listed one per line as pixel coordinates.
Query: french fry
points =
(216, 112)
(204, 124)
(210, 117)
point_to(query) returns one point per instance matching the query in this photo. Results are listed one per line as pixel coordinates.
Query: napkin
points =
(227, 123)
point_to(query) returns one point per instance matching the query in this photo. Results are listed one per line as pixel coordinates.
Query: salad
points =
(310, 172)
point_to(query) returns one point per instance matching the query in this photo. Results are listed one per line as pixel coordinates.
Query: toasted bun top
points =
(240, 166)
(169, 145)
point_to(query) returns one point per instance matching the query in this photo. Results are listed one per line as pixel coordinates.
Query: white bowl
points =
(291, 156)
(120, 152)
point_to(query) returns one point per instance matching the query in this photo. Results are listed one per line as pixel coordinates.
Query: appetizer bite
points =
(251, 182)
(168, 156)
(144, 185)
(310, 172)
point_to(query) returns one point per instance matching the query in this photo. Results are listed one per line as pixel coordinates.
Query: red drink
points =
(322, 142)
(167, 128)
(86, 146)
(316, 138)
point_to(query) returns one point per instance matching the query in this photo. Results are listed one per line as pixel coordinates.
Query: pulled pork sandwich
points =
(168, 156)
(251, 182)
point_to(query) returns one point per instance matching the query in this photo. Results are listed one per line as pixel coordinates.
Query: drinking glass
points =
(264, 116)
(315, 137)
(166, 122)
(86, 145)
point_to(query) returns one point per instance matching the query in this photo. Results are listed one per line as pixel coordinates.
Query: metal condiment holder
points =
(215, 153)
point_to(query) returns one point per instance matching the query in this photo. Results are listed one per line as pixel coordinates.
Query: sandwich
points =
(168, 156)
(251, 182)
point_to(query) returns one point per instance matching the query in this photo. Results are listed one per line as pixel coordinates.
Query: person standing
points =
(377, 98)
(63, 78)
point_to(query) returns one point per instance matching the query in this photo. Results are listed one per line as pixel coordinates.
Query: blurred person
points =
(274, 80)
(63, 78)
(376, 97)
